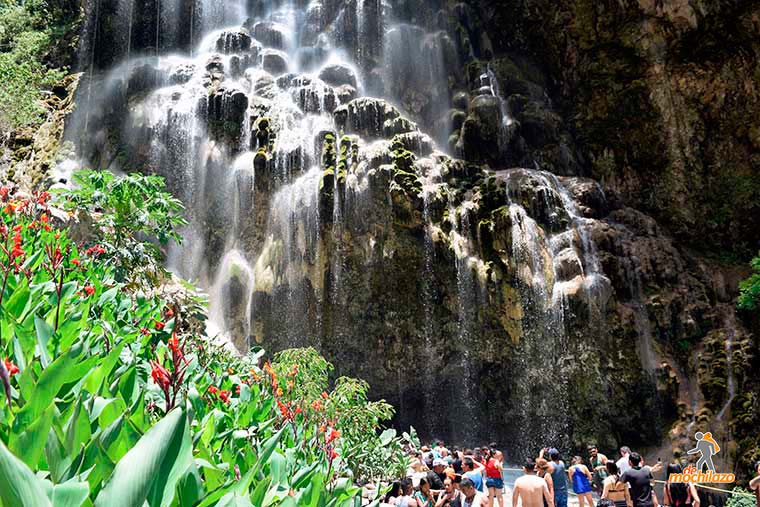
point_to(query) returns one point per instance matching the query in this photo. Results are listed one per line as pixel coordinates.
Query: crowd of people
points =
(438, 477)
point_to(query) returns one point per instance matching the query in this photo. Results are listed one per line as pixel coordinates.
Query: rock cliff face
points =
(658, 99)
(503, 215)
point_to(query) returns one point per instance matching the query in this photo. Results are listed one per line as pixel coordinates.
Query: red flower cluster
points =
(95, 251)
(289, 410)
(170, 381)
(222, 394)
(10, 367)
(160, 325)
(160, 375)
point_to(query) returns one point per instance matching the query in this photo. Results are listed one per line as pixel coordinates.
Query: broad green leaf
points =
(70, 494)
(19, 487)
(147, 469)
(233, 499)
(31, 442)
(44, 331)
(77, 428)
(63, 370)
(387, 436)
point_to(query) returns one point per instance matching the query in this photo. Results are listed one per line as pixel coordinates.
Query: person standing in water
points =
(598, 466)
(531, 489)
(614, 490)
(559, 476)
(581, 477)
(494, 479)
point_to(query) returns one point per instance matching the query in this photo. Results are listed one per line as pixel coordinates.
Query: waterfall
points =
(307, 141)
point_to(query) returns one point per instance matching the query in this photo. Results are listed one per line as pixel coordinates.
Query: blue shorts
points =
(495, 483)
(560, 498)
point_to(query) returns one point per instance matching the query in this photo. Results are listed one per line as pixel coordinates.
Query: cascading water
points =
(262, 117)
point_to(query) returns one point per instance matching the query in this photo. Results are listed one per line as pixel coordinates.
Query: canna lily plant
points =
(111, 396)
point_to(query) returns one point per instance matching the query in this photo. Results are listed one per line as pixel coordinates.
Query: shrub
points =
(749, 295)
(108, 399)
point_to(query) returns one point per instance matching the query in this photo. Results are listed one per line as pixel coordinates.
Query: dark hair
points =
(554, 455)
(423, 481)
(757, 465)
(679, 492)
(635, 458)
(406, 483)
(457, 479)
(612, 468)
(470, 464)
(530, 464)
(466, 483)
(394, 491)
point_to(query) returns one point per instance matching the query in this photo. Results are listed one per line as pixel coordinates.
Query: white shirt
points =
(623, 465)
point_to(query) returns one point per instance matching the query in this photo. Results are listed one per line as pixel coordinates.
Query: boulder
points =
(366, 116)
(480, 131)
(270, 34)
(345, 93)
(227, 105)
(233, 41)
(274, 61)
(182, 73)
(337, 75)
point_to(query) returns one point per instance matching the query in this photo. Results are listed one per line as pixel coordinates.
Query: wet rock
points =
(460, 100)
(226, 112)
(312, 96)
(480, 131)
(567, 265)
(588, 196)
(262, 83)
(215, 64)
(367, 117)
(457, 118)
(144, 78)
(337, 75)
(418, 143)
(398, 125)
(274, 61)
(345, 93)
(233, 41)
(182, 73)
(270, 34)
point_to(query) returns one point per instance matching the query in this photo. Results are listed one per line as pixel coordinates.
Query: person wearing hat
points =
(437, 475)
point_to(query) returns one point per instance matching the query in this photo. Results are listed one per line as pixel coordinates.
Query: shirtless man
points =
(531, 488)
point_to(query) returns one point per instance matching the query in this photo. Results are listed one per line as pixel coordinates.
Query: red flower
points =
(224, 395)
(160, 375)
(144, 331)
(169, 313)
(18, 228)
(12, 368)
(44, 218)
(76, 262)
(332, 436)
(17, 251)
(333, 454)
(316, 405)
(95, 250)
(324, 395)
(160, 325)
(237, 390)
(174, 343)
(212, 390)
(42, 197)
(89, 290)
(322, 428)
(4, 192)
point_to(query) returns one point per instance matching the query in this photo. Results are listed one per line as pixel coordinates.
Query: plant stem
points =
(59, 291)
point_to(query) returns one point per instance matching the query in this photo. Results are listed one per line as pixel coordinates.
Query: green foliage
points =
(749, 296)
(109, 398)
(125, 210)
(28, 32)
(744, 499)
